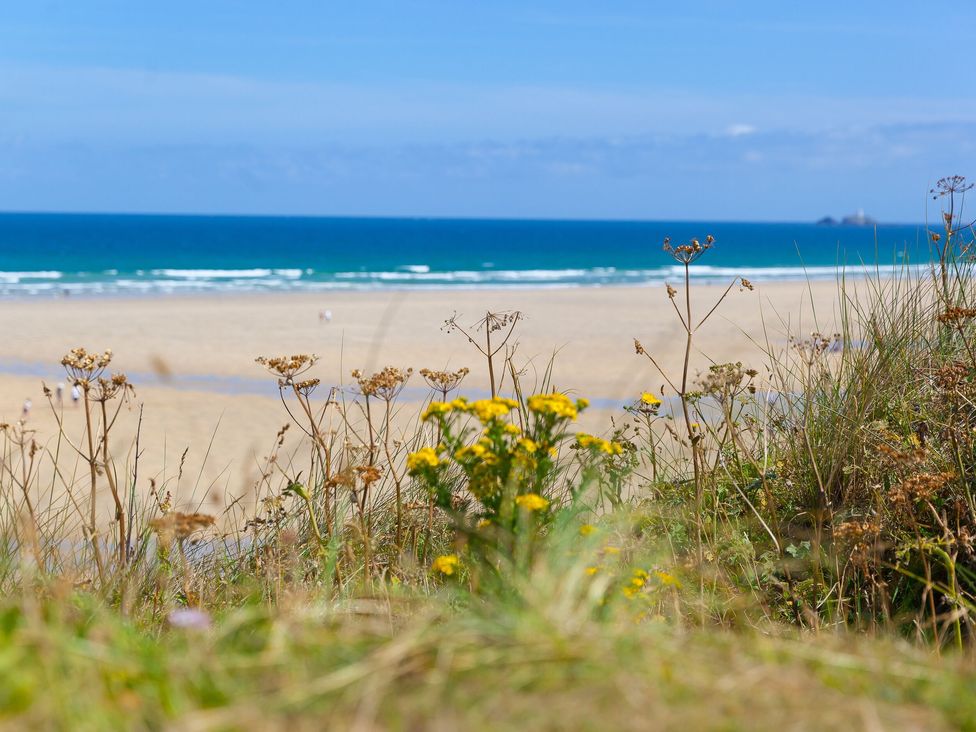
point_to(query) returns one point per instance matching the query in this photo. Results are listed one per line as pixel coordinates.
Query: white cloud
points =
(740, 130)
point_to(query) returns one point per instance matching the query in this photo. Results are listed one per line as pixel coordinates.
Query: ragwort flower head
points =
(424, 458)
(598, 444)
(558, 405)
(532, 502)
(650, 400)
(490, 410)
(446, 564)
(436, 409)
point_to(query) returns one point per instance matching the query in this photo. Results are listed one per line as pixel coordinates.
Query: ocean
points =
(55, 255)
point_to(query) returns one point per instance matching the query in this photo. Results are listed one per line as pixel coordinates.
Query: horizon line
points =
(437, 217)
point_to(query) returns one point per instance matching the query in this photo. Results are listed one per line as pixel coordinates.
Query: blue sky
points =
(746, 110)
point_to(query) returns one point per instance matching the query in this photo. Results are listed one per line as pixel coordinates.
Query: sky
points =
(721, 110)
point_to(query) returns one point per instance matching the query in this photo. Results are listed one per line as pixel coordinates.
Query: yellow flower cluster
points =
(532, 502)
(435, 408)
(480, 450)
(486, 410)
(446, 564)
(425, 457)
(650, 400)
(636, 584)
(528, 445)
(558, 405)
(668, 580)
(606, 446)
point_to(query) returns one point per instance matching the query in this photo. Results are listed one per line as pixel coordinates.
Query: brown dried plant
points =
(86, 370)
(686, 255)
(492, 322)
(444, 381)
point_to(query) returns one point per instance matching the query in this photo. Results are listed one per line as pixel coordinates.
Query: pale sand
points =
(591, 331)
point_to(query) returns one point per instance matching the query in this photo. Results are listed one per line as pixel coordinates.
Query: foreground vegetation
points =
(751, 546)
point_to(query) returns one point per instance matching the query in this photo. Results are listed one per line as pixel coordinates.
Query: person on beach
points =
(25, 412)
(59, 394)
(325, 316)
(75, 395)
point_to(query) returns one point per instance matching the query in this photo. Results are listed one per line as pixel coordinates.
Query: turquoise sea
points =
(53, 255)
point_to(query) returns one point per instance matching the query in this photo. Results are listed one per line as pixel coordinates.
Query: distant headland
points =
(856, 219)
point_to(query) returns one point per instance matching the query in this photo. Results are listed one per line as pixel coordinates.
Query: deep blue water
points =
(57, 254)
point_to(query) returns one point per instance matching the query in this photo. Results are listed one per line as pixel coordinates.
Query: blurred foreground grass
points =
(531, 660)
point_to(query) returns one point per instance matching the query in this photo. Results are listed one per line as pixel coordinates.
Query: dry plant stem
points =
(322, 451)
(93, 473)
(396, 479)
(372, 436)
(135, 482)
(685, 409)
(110, 475)
(488, 351)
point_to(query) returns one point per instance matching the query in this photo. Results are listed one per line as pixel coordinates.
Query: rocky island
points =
(856, 219)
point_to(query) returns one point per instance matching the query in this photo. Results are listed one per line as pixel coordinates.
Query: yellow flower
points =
(490, 409)
(483, 523)
(587, 529)
(611, 550)
(592, 570)
(446, 564)
(532, 502)
(528, 445)
(425, 457)
(558, 405)
(434, 409)
(512, 429)
(667, 580)
(650, 400)
(476, 450)
(605, 446)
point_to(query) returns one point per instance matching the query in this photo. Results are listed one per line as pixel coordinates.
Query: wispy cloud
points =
(149, 107)
(762, 175)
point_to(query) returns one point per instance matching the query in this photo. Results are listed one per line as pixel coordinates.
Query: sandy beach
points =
(192, 358)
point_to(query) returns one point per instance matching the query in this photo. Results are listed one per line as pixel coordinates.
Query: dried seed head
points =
(386, 384)
(176, 525)
(688, 253)
(84, 367)
(919, 487)
(105, 389)
(288, 367)
(444, 381)
(306, 387)
(956, 315)
(369, 474)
